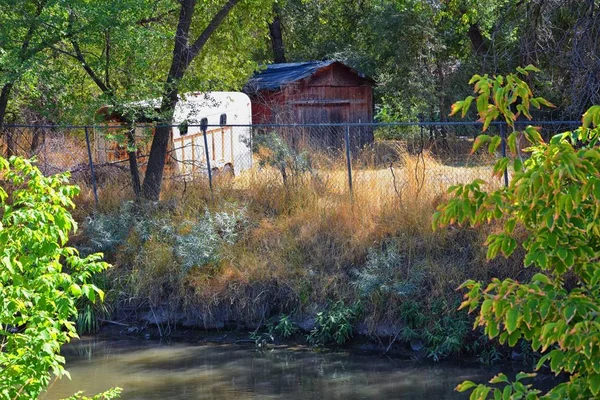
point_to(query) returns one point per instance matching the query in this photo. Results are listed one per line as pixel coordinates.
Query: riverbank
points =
(360, 344)
(260, 255)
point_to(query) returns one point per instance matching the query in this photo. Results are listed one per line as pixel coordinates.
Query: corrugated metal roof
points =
(274, 76)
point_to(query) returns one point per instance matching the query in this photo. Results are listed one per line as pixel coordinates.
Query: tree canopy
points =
(60, 60)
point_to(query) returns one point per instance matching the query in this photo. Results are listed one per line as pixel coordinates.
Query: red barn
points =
(314, 92)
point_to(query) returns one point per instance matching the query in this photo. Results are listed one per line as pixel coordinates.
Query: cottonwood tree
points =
(29, 29)
(195, 26)
(118, 54)
(553, 203)
(125, 59)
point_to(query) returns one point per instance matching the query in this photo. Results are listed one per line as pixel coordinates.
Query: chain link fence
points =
(383, 158)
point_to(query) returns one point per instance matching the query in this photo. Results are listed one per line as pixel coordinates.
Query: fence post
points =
(204, 127)
(89, 150)
(348, 160)
(503, 136)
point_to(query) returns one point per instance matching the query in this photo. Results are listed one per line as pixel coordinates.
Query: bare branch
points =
(79, 56)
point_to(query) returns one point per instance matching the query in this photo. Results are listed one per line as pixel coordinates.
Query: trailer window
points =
(183, 128)
(223, 119)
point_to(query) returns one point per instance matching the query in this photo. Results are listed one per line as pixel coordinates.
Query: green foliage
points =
(333, 325)
(500, 96)
(195, 242)
(272, 150)
(108, 395)
(554, 196)
(280, 325)
(285, 326)
(440, 328)
(41, 278)
(447, 331)
(86, 319)
(514, 390)
(89, 314)
(387, 275)
(159, 250)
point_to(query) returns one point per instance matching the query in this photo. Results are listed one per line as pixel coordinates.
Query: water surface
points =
(150, 370)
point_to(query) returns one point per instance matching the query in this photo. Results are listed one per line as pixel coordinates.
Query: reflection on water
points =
(149, 370)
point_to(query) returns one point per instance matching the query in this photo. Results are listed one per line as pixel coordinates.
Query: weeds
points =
(272, 150)
(285, 326)
(386, 273)
(202, 245)
(333, 325)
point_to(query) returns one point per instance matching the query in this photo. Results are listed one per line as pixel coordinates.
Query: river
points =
(150, 370)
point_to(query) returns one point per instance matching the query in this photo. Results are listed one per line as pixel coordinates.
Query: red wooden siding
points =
(334, 94)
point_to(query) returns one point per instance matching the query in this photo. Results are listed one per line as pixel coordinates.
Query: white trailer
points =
(229, 148)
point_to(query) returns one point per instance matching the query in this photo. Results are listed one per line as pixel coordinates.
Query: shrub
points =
(386, 273)
(203, 244)
(41, 278)
(273, 151)
(334, 325)
(285, 326)
(105, 232)
(554, 195)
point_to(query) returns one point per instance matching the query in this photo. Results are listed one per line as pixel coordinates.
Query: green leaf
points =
(494, 144)
(533, 135)
(466, 385)
(523, 375)
(467, 105)
(482, 104)
(556, 362)
(594, 381)
(511, 141)
(481, 140)
(531, 68)
(518, 165)
(541, 278)
(569, 312)
(511, 319)
(500, 378)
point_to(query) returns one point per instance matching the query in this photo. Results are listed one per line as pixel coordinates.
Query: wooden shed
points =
(314, 92)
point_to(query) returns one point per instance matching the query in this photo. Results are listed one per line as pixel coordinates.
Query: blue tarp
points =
(278, 75)
(275, 76)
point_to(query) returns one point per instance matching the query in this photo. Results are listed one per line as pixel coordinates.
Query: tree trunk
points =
(38, 134)
(133, 165)
(477, 40)
(183, 55)
(277, 37)
(4, 96)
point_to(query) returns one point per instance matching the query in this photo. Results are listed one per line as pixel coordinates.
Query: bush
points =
(202, 245)
(334, 325)
(554, 195)
(272, 150)
(41, 278)
(386, 273)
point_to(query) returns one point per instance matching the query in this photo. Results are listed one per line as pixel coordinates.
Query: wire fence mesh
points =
(384, 158)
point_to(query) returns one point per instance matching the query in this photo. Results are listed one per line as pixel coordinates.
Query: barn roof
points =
(275, 76)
